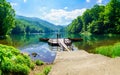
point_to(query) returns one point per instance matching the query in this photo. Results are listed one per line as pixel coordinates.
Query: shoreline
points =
(83, 63)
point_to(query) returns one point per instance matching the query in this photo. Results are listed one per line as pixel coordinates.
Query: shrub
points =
(7, 66)
(47, 70)
(22, 59)
(12, 62)
(21, 69)
(39, 62)
(32, 66)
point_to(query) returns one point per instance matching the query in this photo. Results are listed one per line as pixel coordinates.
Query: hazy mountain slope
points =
(39, 22)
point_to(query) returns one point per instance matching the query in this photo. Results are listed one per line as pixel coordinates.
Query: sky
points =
(58, 12)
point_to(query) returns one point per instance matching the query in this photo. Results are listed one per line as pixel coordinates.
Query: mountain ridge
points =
(39, 23)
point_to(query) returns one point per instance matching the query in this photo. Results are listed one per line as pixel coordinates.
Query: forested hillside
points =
(33, 25)
(98, 20)
(10, 23)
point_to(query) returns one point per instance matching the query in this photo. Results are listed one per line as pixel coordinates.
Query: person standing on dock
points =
(58, 35)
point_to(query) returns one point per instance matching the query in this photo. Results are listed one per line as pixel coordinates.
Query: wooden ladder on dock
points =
(62, 43)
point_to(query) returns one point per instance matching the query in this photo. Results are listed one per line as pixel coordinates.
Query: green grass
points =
(45, 71)
(110, 51)
(39, 62)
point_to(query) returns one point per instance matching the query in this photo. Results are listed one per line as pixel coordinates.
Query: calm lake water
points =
(31, 44)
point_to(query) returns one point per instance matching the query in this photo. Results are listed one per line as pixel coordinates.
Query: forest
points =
(27, 25)
(99, 19)
(11, 23)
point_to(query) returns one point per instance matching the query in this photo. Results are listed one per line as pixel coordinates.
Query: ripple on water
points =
(41, 52)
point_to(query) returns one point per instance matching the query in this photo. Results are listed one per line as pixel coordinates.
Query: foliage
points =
(32, 66)
(7, 15)
(39, 62)
(45, 71)
(76, 25)
(99, 19)
(111, 51)
(86, 19)
(12, 62)
(23, 26)
(111, 16)
(28, 25)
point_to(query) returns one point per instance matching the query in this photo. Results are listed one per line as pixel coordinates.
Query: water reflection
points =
(92, 41)
(42, 52)
(6, 41)
(31, 44)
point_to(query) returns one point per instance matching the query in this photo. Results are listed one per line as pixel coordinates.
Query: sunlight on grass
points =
(45, 71)
(39, 62)
(12, 62)
(110, 51)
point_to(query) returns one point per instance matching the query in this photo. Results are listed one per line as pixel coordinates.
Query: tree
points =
(97, 25)
(99, 19)
(7, 20)
(76, 25)
(95, 11)
(112, 15)
(86, 18)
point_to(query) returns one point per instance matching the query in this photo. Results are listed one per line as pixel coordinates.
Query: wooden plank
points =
(61, 41)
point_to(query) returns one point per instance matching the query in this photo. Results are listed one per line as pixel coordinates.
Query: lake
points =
(31, 44)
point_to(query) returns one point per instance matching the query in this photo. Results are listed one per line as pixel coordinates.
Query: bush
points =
(47, 70)
(22, 59)
(7, 66)
(39, 62)
(21, 69)
(32, 66)
(12, 62)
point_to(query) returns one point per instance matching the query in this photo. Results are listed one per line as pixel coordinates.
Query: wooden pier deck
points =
(60, 42)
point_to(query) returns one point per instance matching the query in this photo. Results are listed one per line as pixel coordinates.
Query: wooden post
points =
(57, 38)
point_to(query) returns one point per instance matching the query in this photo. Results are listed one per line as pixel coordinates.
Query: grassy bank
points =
(110, 51)
(12, 62)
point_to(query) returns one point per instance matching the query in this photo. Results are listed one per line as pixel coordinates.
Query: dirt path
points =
(83, 63)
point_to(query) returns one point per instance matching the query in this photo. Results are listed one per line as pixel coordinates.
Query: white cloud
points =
(25, 1)
(65, 8)
(99, 1)
(62, 16)
(13, 4)
(87, 1)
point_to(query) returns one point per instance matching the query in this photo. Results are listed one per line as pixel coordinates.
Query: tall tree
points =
(95, 11)
(86, 18)
(7, 15)
(75, 26)
(97, 25)
(100, 19)
(112, 15)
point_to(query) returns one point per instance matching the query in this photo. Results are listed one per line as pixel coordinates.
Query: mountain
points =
(34, 25)
(41, 22)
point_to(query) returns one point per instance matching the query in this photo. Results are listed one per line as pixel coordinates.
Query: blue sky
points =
(59, 12)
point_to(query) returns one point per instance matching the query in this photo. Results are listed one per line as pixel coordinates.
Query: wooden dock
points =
(60, 42)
